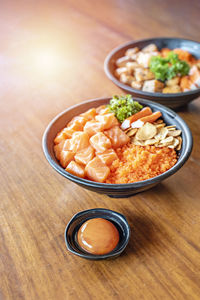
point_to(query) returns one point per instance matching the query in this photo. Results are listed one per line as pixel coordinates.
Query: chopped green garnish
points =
(124, 107)
(165, 68)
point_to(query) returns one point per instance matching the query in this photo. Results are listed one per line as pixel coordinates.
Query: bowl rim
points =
(139, 92)
(88, 255)
(117, 187)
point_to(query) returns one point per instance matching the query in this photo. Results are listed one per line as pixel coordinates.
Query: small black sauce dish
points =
(77, 220)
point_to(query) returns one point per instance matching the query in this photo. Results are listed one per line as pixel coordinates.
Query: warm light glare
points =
(46, 61)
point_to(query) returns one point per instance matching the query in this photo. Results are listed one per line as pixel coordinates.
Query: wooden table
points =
(51, 57)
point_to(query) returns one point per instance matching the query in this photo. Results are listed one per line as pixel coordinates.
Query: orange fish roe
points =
(136, 163)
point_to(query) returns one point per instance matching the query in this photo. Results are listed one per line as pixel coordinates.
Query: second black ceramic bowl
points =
(75, 223)
(115, 190)
(171, 100)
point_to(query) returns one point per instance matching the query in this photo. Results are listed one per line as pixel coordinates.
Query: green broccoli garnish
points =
(124, 107)
(165, 68)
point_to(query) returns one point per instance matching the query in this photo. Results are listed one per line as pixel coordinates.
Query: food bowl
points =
(174, 100)
(75, 223)
(115, 190)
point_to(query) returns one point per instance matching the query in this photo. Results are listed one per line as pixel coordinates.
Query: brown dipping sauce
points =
(98, 236)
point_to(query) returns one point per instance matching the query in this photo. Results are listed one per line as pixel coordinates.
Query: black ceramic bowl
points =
(75, 223)
(171, 100)
(115, 190)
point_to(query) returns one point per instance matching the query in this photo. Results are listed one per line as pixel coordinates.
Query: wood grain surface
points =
(51, 56)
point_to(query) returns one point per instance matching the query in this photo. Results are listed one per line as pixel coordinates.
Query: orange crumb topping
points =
(137, 163)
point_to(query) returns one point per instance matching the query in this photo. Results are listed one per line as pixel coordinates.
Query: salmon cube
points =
(58, 148)
(77, 120)
(78, 141)
(102, 110)
(68, 132)
(89, 114)
(107, 120)
(85, 155)
(118, 137)
(165, 52)
(75, 126)
(63, 135)
(100, 142)
(92, 127)
(67, 145)
(75, 169)
(59, 137)
(99, 108)
(108, 156)
(183, 54)
(96, 170)
(66, 157)
(185, 83)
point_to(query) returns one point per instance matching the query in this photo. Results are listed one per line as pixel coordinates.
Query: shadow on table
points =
(192, 106)
(143, 235)
(145, 231)
(165, 195)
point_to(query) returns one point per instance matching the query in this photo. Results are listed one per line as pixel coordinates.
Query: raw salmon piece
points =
(165, 52)
(99, 108)
(85, 155)
(68, 132)
(75, 126)
(183, 54)
(96, 170)
(117, 136)
(108, 156)
(92, 127)
(102, 110)
(100, 142)
(67, 146)
(185, 83)
(75, 169)
(63, 135)
(108, 120)
(78, 141)
(66, 157)
(89, 114)
(78, 120)
(59, 137)
(58, 148)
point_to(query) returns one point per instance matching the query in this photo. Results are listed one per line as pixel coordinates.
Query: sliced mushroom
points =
(174, 144)
(131, 66)
(172, 89)
(180, 143)
(131, 51)
(120, 71)
(127, 79)
(136, 85)
(121, 62)
(153, 86)
(150, 142)
(148, 131)
(174, 133)
(167, 140)
(172, 82)
(162, 133)
(132, 132)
